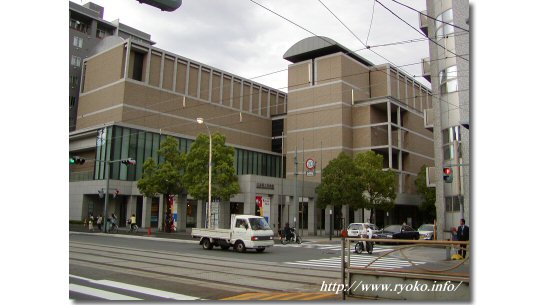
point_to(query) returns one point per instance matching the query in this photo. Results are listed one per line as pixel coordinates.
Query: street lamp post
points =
(208, 213)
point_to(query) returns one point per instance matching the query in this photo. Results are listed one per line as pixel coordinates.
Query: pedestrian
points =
(463, 235)
(90, 223)
(99, 222)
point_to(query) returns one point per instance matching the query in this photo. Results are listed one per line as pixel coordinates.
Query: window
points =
(77, 25)
(73, 81)
(448, 80)
(100, 34)
(72, 101)
(444, 29)
(452, 203)
(77, 42)
(75, 61)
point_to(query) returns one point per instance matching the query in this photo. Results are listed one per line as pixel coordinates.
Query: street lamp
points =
(208, 213)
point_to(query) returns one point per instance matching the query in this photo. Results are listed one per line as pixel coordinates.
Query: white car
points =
(356, 228)
(426, 231)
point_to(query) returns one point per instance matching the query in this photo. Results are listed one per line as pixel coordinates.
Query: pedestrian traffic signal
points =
(77, 160)
(447, 174)
(129, 161)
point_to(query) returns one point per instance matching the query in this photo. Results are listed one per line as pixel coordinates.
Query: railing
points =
(430, 274)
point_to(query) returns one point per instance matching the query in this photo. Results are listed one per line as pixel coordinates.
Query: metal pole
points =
(208, 210)
(107, 174)
(331, 224)
(282, 183)
(295, 199)
(302, 196)
(343, 266)
(210, 166)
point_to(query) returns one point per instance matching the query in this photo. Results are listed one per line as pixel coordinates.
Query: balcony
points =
(428, 119)
(424, 22)
(426, 69)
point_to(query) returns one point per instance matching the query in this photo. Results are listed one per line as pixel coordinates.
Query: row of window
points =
(84, 28)
(72, 101)
(116, 143)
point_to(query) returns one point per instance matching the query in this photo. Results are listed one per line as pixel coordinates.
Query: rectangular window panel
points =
(124, 152)
(140, 153)
(239, 162)
(116, 151)
(131, 170)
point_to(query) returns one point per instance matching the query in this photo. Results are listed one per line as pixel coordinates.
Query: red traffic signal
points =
(447, 174)
(129, 161)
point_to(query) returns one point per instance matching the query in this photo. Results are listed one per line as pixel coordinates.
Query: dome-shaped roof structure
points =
(317, 46)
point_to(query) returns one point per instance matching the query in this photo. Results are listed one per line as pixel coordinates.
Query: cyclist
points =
(132, 220)
(114, 222)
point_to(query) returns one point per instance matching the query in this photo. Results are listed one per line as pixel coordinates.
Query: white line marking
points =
(100, 293)
(144, 290)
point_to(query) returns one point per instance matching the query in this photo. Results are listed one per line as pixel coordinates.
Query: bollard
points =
(149, 231)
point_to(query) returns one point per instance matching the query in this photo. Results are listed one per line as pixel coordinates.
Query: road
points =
(122, 267)
(114, 267)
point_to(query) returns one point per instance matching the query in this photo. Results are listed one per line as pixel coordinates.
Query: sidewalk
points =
(186, 234)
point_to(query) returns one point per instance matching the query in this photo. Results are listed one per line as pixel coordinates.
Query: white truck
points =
(246, 232)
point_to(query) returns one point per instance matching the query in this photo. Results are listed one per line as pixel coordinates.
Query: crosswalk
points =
(117, 291)
(357, 261)
(284, 296)
(330, 247)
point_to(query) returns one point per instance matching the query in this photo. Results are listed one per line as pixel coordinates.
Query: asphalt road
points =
(117, 267)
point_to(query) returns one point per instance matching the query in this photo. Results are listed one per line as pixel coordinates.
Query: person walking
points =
(90, 223)
(463, 235)
(99, 222)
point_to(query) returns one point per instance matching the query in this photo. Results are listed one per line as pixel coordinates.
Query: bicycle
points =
(133, 229)
(113, 228)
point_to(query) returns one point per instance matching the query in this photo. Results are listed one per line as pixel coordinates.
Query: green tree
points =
(379, 185)
(427, 206)
(164, 178)
(223, 178)
(339, 185)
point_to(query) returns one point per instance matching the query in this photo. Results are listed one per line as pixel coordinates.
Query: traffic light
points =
(128, 161)
(447, 174)
(77, 160)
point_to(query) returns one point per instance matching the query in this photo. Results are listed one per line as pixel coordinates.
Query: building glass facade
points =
(117, 143)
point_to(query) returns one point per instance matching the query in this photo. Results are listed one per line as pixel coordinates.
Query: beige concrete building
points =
(133, 94)
(340, 102)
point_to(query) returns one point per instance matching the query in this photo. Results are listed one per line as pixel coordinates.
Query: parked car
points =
(426, 231)
(398, 232)
(356, 228)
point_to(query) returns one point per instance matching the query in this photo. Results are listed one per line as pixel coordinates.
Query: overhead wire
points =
(426, 15)
(419, 31)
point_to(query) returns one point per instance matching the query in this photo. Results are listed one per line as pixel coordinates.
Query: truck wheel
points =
(260, 250)
(206, 244)
(240, 247)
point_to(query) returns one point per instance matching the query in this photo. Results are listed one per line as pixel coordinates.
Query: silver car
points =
(426, 231)
(356, 228)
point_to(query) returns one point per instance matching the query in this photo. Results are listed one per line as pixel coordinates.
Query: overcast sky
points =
(243, 38)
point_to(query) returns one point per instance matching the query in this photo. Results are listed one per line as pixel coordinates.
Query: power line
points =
(437, 20)
(371, 22)
(419, 31)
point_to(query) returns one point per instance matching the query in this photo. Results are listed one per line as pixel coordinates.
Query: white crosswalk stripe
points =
(104, 294)
(333, 247)
(358, 261)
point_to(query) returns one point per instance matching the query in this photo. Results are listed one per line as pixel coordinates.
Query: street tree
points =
(427, 206)
(166, 177)
(339, 185)
(224, 183)
(379, 185)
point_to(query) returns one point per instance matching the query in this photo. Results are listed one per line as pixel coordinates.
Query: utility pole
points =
(295, 199)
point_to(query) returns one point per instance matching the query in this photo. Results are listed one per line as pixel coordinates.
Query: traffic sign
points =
(310, 164)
